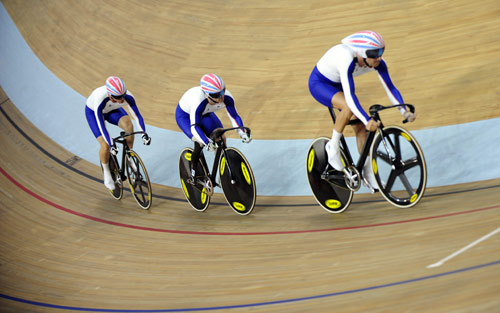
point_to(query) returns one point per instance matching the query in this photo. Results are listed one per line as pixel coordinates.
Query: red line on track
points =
(100, 220)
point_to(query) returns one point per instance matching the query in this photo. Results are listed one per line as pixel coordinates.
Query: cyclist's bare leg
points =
(342, 118)
(103, 150)
(361, 135)
(104, 158)
(125, 123)
(345, 114)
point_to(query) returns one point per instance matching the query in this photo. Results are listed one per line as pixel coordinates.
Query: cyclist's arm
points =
(347, 80)
(195, 117)
(136, 115)
(231, 111)
(391, 90)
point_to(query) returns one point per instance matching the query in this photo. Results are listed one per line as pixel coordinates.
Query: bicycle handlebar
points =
(219, 132)
(374, 109)
(123, 135)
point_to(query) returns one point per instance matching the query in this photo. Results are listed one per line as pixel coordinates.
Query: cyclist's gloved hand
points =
(146, 139)
(410, 117)
(211, 146)
(113, 149)
(244, 136)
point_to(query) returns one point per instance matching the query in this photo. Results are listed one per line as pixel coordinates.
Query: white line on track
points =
(437, 264)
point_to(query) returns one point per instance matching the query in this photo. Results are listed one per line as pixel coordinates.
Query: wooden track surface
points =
(64, 241)
(442, 57)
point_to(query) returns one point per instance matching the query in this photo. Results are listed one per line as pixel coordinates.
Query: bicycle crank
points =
(208, 186)
(351, 177)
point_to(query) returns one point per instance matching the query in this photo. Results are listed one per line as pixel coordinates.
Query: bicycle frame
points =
(221, 149)
(374, 112)
(121, 140)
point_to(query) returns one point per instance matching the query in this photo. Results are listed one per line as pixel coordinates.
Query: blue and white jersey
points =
(99, 102)
(194, 103)
(339, 65)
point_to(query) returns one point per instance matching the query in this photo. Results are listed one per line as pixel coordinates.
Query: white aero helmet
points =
(367, 43)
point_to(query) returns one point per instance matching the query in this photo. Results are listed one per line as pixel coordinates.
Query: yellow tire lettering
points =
(203, 196)
(246, 174)
(406, 136)
(310, 161)
(238, 206)
(222, 165)
(413, 198)
(187, 156)
(374, 166)
(333, 204)
(185, 189)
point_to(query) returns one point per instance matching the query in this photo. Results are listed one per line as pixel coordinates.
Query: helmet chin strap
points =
(366, 63)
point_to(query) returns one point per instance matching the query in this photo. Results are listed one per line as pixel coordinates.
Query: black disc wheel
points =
(327, 185)
(237, 181)
(197, 191)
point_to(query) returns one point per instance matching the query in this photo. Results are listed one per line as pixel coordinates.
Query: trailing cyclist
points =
(106, 103)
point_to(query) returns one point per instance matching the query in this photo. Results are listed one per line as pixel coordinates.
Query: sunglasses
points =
(217, 95)
(374, 53)
(117, 97)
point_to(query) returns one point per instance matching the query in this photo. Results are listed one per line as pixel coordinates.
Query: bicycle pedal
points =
(367, 184)
(207, 185)
(190, 180)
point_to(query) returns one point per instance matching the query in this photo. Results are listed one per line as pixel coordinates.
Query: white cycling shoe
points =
(369, 178)
(333, 152)
(132, 164)
(109, 183)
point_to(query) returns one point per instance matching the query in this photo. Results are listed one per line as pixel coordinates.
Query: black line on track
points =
(27, 137)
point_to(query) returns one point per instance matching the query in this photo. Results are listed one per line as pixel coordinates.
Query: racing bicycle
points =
(132, 168)
(396, 159)
(236, 177)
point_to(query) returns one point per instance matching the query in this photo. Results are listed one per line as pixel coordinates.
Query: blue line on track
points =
(258, 304)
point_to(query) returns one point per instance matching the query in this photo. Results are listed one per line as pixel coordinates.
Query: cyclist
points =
(332, 84)
(106, 103)
(196, 118)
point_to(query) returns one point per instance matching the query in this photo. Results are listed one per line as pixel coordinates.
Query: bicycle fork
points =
(386, 147)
